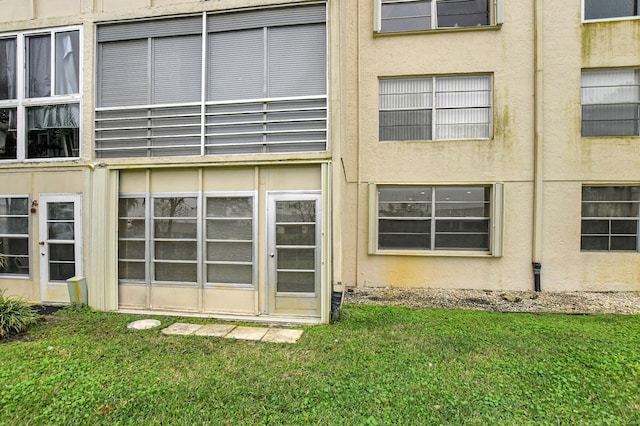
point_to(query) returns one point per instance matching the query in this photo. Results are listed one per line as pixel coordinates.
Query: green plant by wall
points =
(16, 315)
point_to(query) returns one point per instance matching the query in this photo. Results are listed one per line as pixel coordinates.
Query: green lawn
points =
(378, 365)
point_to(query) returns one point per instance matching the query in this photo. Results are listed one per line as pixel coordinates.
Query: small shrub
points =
(16, 315)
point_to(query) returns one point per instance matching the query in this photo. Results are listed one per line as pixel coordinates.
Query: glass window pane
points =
(131, 249)
(8, 133)
(462, 226)
(175, 250)
(53, 131)
(131, 207)
(230, 274)
(14, 225)
(410, 15)
(176, 228)
(463, 13)
(60, 211)
(296, 235)
(60, 252)
(457, 241)
(131, 271)
(595, 227)
(602, 9)
(296, 211)
(176, 272)
(296, 259)
(67, 62)
(7, 68)
(16, 249)
(230, 252)
(624, 227)
(38, 66)
(614, 209)
(589, 243)
(61, 231)
(408, 125)
(404, 242)
(61, 271)
(229, 207)
(131, 228)
(296, 282)
(175, 207)
(234, 229)
(624, 243)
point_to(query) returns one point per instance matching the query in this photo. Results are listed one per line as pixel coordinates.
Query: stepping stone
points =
(144, 324)
(247, 333)
(281, 335)
(215, 330)
(181, 329)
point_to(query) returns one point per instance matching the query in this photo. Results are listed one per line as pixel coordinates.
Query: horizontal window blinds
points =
(265, 81)
(274, 17)
(149, 29)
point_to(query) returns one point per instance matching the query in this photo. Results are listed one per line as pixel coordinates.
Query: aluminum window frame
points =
(201, 239)
(609, 220)
(253, 196)
(27, 236)
(495, 221)
(584, 105)
(22, 102)
(496, 18)
(434, 108)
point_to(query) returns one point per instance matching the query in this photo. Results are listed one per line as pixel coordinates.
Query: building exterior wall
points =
(534, 162)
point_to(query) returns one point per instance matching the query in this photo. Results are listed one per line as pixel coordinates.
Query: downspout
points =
(538, 144)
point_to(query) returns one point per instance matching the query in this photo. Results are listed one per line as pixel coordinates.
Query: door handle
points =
(41, 243)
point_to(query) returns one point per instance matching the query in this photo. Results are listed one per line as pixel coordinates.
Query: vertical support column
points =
(101, 257)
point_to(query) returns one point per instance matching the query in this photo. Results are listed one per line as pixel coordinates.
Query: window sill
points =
(433, 253)
(439, 30)
(617, 19)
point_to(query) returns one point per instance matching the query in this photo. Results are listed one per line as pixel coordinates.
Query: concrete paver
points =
(282, 335)
(247, 333)
(181, 329)
(214, 330)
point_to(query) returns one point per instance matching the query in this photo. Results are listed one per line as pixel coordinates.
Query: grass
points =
(377, 365)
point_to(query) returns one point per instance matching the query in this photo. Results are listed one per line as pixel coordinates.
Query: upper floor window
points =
(251, 81)
(420, 15)
(431, 108)
(610, 218)
(610, 9)
(611, 102)
(40, 94)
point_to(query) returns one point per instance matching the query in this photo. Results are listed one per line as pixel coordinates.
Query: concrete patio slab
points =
(280, 335)
(247, 333)
(181, 329)
(214, 330)
(144, 324)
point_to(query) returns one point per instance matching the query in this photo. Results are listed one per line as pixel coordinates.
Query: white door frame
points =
(56, 291)
(272, 293)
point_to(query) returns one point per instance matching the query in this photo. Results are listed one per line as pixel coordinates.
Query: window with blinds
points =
(611, 102)
(262, 87)
(432, 108)
(420, 15)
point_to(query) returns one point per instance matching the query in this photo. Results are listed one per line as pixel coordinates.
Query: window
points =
(610, 218)
(14, 235)
(178, 246)
(252, 81)
(431, 108)
(437, 218)
(420, 15)
(41, 119)
(606, 9)
(611, 102)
